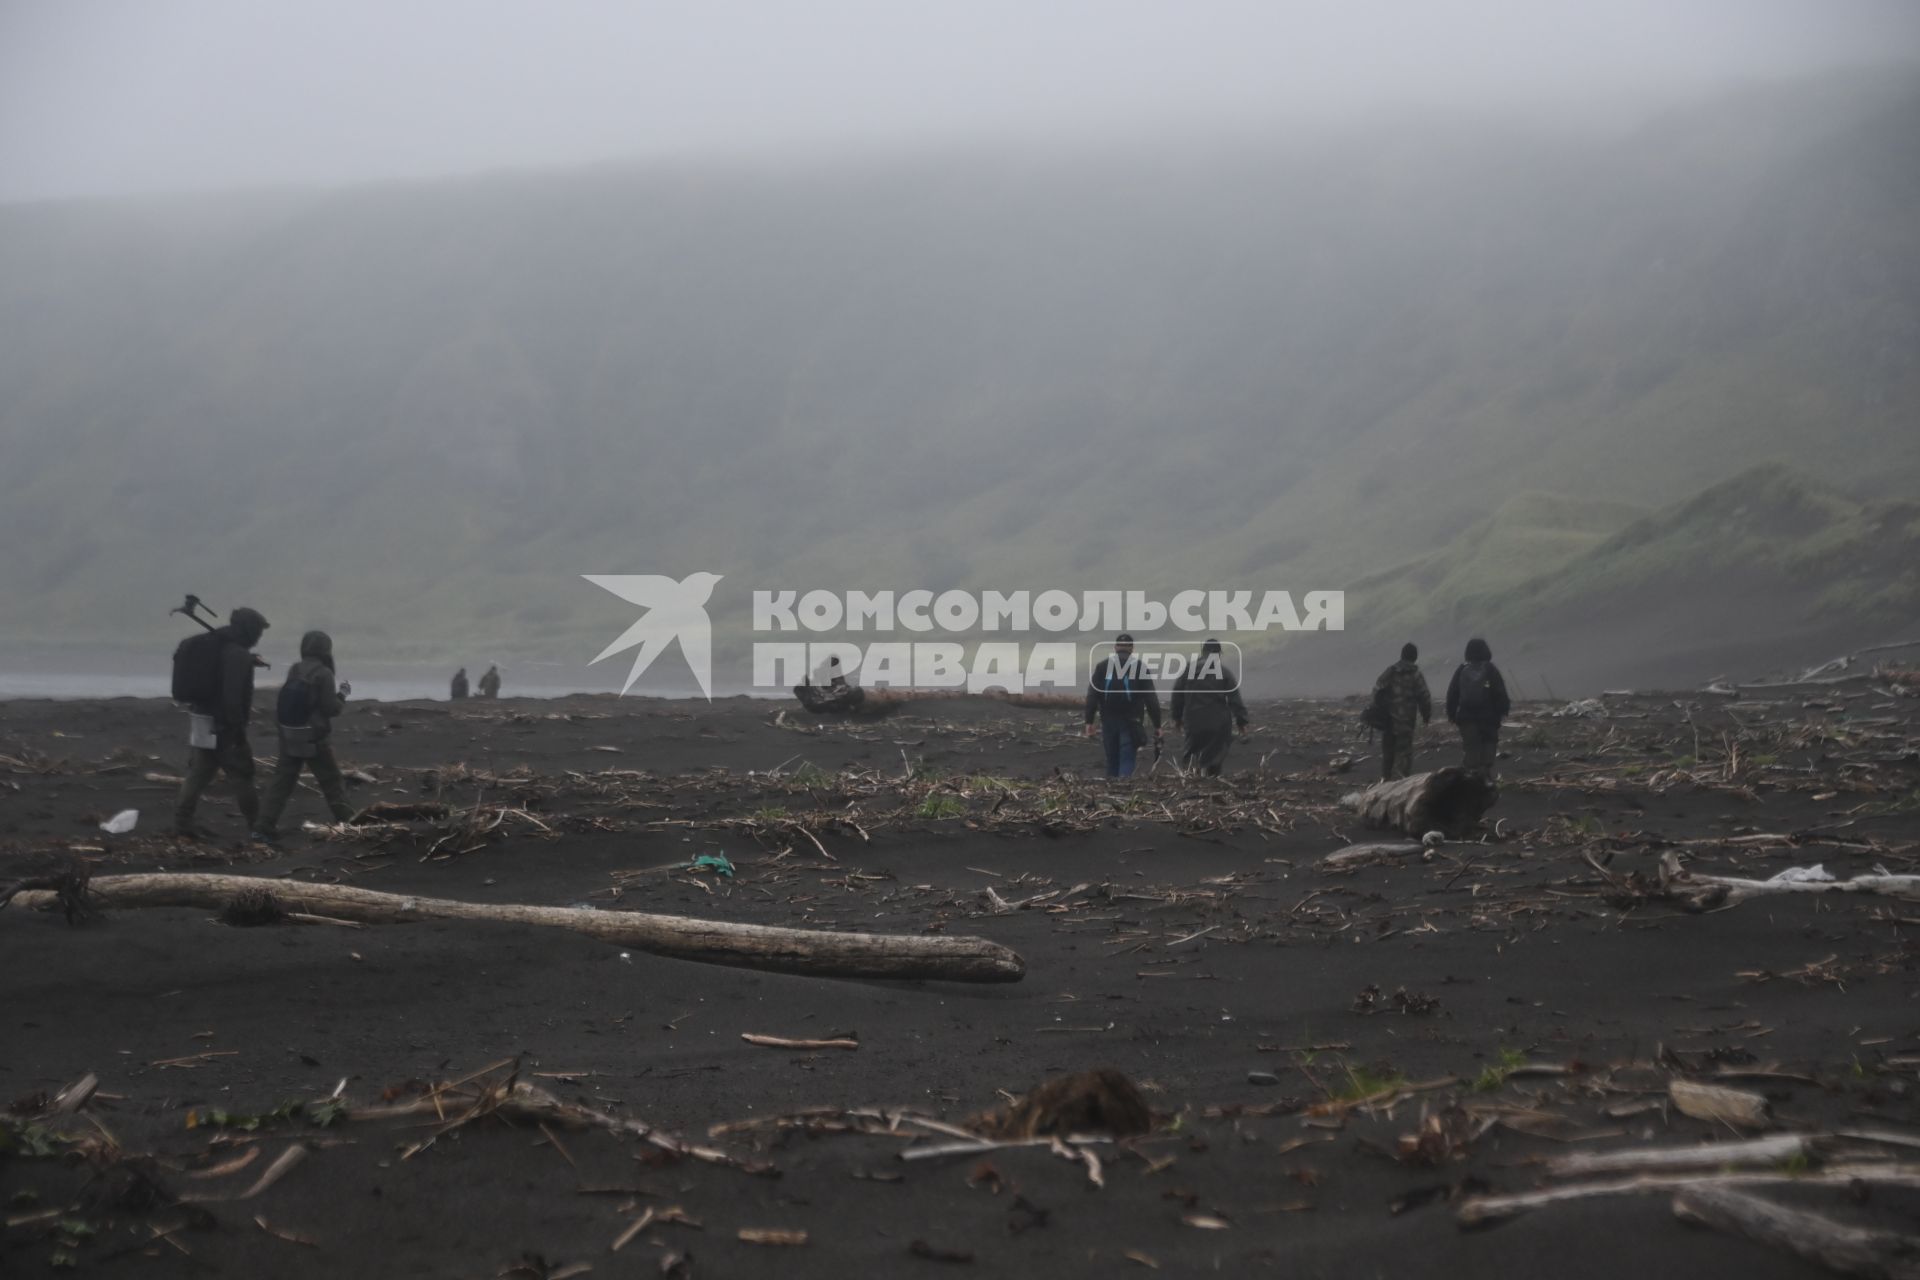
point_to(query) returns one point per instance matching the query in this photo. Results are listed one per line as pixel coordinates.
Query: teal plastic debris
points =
(715, 862)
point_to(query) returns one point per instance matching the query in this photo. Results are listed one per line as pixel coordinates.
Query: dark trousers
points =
(1396, 752)
(286, 775)
(1479, 744)
(1121, 740)
(1207, 749)
(233, 757)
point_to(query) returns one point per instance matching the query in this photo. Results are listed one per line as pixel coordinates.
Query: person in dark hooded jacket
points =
(1207, 704)
(1477, 702)
(231, 753)
(458, 690)
(309, 701)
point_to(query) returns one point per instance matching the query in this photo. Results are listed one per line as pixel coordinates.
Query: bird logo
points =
(674, 611)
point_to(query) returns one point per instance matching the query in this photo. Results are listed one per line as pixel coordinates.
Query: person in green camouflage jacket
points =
(1401, 691)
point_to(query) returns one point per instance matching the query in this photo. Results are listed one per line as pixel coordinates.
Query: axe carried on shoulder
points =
(191, 607)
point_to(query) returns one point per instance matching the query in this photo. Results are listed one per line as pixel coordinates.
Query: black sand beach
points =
(1517, 998)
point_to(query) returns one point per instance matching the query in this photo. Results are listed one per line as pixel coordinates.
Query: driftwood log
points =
(850, 701)
(816, 952)
(1368, 855)
(1727, 890)
(1849, 1250)
(1481, 1211)
(1755, 1153)
(1447, 800)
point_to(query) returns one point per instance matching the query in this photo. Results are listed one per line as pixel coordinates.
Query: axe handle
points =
(258, 661)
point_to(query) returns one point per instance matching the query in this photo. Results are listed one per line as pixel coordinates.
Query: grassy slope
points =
(417, 412)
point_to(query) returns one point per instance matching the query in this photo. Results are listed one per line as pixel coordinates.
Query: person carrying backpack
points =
(1207, 705)
(1400, 696)
(1477, 702)
(213, 675)
(308, 703)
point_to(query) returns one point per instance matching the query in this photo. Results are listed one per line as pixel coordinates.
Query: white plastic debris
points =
(1585, 708)
(121, 823)
(1802, 875)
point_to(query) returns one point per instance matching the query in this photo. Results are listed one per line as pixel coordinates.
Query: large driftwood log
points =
(1447, 800)
(1852, 1251)
(816, 952)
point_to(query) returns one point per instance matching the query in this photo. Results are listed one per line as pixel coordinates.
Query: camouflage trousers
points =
(1396, 752)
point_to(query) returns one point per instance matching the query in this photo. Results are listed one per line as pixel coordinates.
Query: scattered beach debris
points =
(121, 823)
(1101, 1100)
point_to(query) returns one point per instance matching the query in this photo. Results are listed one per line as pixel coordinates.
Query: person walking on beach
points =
(1402, 696)
(1119, 695)
(1207, 704)
(490, 683)
(225, 701)
(309, 700)
(1477, 702)
(459, 690)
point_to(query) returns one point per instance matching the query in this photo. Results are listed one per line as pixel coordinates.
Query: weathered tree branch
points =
(1853, 1251)
(1738, 890)
(816, 952)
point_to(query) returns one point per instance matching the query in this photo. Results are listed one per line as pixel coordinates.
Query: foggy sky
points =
(113, 96)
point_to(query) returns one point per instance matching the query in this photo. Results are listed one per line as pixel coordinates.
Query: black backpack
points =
(1376, 715)
(1476, 693)
(196, 669)
(295, 707)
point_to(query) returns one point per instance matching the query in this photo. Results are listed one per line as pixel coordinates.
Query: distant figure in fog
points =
(1477, 702)
(1402, 697)
(1207, 703)
(459, 690)
(490, 683)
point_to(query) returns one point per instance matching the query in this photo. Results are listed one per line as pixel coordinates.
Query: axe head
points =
(190, 605)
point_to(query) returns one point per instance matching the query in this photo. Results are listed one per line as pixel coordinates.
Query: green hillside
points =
(418, 412)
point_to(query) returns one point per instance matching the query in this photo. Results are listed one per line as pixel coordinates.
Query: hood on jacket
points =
(247, 625)
(317, 646)
(1477, 651)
